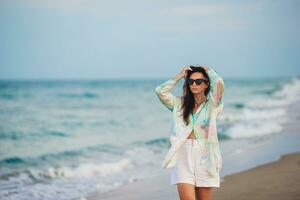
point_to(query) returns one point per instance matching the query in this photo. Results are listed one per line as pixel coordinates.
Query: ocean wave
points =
(12, 160)
(286, 94)
(247, 130)
(73, 182)
(264, 115)
(57, 133)
(22, 135)
(163, 141)
(7, 96)
(87, 170)
(238, 105)
(80, 95)
(58, 157)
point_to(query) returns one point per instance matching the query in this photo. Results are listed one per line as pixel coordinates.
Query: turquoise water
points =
(75, 137)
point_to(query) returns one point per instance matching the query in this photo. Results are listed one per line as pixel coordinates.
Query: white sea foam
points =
(264, 115)
(87, 170)
(252, 129)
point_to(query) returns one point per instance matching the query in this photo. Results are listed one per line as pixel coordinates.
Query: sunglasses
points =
(198, 81)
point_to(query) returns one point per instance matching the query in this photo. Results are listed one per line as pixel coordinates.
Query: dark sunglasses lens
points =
(190, 81)
(199, 81)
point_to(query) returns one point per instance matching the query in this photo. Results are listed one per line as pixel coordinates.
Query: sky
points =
(94, 39)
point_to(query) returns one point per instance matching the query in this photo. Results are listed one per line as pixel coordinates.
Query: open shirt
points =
(202, 122)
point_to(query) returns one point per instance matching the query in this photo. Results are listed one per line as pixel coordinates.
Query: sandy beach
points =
(275, 180)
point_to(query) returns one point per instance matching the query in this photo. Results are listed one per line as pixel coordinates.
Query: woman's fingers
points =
(184, 70)
(187, 68)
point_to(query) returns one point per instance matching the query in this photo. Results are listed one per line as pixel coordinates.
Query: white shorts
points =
(190, 167)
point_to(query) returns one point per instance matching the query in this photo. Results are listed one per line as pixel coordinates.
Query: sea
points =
(65, 139)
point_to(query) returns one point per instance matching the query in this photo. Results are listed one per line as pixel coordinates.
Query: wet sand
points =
(275, 180)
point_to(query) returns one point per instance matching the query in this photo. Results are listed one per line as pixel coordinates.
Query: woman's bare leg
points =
(186, 191)
(204, 193)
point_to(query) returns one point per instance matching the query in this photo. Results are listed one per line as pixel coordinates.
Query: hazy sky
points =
(147, 39)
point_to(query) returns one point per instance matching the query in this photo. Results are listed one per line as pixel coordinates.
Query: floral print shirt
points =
(202, 122)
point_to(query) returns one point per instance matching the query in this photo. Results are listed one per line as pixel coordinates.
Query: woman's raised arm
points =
(216, 87)
(164, 93)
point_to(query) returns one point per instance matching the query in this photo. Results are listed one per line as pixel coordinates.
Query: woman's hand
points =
(183, 72)
(206, 68)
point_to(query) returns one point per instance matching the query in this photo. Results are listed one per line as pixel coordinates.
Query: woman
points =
(194, 156)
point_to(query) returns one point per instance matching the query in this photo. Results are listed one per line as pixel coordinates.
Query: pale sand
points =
(275, 180)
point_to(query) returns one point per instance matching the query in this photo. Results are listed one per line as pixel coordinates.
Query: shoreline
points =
(240, 156)
(280, 178)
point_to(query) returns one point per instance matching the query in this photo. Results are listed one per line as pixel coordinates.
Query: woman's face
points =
(195, 89)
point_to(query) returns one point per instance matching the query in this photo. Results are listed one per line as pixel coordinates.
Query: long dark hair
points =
(188, 97)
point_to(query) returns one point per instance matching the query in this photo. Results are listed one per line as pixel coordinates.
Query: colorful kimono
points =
(202, 122)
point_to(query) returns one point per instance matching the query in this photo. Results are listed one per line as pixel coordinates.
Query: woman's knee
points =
(186, 191)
